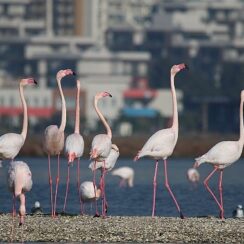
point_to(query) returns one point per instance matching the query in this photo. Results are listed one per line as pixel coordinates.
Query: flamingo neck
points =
(241, 140)
(175, 124)
(25, 116)
(63, 119)
(109, 132)
(77, 111)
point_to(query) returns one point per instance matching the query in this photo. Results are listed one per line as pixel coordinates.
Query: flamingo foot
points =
(96, 215)
(181, 215)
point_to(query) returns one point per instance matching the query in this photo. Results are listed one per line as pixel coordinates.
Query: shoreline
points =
(42, 228)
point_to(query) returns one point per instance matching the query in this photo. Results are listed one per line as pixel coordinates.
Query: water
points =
(194, 201)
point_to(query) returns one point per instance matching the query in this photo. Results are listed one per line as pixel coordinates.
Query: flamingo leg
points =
(14, 209)
(94, 185)
(56, 191)
(154, 187)
(78, 185)
(210, 191)
(50, 183)
(104, 205)
(170, 191)
(221, 194)
(67, 189)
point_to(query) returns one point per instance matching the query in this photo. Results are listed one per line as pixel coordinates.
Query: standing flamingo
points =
(109, 165)
(101, 144)
(221, 155)
(11, 143)
(87, 193)
(126, 175)
(54, 138)
(161, 144)
(74, 145)
(19, 182)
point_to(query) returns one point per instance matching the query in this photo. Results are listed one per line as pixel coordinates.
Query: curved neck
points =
(63, 119)
(25, 116)
(175, 123)
(241, 140)
(109, 132)
(77, 111)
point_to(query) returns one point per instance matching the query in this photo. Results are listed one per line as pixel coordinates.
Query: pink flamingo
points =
(221, 155)
(74, 145)
(11, 143)
(126, 174)
(19, 182)
(87, 193)
(161, 144)
(110, 162)
(101, 144)
(54, 138)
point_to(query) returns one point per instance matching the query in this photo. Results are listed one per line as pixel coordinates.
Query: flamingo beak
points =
(21, 221)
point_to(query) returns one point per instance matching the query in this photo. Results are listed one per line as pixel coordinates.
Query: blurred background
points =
(125, 47)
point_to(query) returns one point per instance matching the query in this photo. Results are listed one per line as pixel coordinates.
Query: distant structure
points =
(238, 212)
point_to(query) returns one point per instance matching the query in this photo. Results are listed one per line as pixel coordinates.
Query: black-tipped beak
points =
(74, 73)
(186, 67)
(35, 82)
(20, 223)
(110, 95)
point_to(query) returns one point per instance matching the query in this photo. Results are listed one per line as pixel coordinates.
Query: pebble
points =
(121, 229)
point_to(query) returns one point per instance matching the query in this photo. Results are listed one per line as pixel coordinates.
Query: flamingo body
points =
(10, 145)
(126, 174)
(109, 161)
(87, 193)
(53, 140)
(222, 154)
(19, 182)
(101, 146)
(74, 143)
(160, 145)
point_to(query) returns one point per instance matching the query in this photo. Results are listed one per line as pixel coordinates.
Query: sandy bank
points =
(122, 229)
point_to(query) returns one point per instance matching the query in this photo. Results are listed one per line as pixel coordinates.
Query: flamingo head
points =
(102, 94)
(178, 67)
(71, 157)
(63, 72)
(114, 147)
(28, 81)
(193, 175)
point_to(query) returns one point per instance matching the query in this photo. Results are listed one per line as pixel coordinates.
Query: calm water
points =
(194, 201)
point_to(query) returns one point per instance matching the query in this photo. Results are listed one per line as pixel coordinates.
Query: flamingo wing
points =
(74, 143)
(10, 145)
(160, 144)
(101, 146)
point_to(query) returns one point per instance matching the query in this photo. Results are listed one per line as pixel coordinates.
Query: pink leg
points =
(50, 183)
(94, 185)
(209, 190)
(67, 189)
(154, 187)
(56, 191)
(169, 190)
(104, 194)
(78, 185)
(14, 209)
(220, 194)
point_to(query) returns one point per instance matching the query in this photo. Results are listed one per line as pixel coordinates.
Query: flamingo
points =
(54, 138)
(221, 155)
(126, 174)
(87, 193)
(162, 143)
(110, 162)
(11, 143)
(74, 145)
(19, 182)
(193, 175)
(101, 144)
